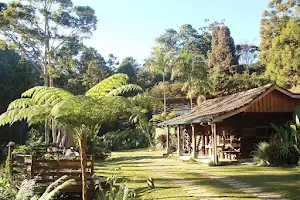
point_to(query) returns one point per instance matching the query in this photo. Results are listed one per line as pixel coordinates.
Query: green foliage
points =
(194, 71)
(171, 89)
(48, 32)
(56, 187)
(279, 42)
(112, 86)
(115, 191)
(130, 67)
(16, 75)
(237, 82)
(125, 139)
(164, 116)
(283, 148)
(222, 55)
(28, 189)
(96, 147)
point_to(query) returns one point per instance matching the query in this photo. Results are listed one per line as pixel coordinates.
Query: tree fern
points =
(123, 89)
(57, 186)
(20, 103)
(107, 85)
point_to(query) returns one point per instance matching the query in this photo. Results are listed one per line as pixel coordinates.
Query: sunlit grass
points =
(284, 181)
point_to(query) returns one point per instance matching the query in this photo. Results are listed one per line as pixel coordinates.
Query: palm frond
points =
(123, 89)
(101, 89)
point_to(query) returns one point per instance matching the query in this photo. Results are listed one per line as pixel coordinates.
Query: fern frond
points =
(44, 94)
(20, 103)
(18, 114)
(87, 110)
(5, 118)
(57, 186)
(47, 95)
(31, 91)
(123, 89)
(101, 89)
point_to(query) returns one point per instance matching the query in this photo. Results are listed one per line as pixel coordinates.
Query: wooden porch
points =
(227, 128)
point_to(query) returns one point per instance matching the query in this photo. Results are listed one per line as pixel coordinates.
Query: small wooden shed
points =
(232, 125)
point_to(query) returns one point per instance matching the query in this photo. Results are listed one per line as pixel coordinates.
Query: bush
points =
(275, 153)
(125, 139)
(96, 146)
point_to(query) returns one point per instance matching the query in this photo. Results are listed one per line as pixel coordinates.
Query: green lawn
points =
(136, 166)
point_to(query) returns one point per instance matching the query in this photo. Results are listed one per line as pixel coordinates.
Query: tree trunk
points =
(47, 135)
(54, 135)
(191, 101)
(165, 101)
(82, 144)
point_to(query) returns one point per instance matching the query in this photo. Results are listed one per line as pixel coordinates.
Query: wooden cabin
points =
(230, 126)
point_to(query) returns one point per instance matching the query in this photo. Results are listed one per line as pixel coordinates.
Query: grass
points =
(137, 165)
(127, 165)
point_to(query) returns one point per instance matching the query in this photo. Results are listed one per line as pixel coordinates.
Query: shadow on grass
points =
(286, 185)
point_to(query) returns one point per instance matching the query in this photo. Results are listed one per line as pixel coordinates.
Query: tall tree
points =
(280, 38)
(16, 76)
(39, 29)
(194, 71)
(168, 41)
(198, 43)
(130, 67)
(222, 56)
(159, 63)
(222, 60)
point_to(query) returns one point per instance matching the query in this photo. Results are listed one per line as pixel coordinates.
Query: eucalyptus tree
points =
(40, 29)
(160, 63)
(81, 113)
(194, 71)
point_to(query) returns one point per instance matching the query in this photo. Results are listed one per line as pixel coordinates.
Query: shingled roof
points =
(212, 109)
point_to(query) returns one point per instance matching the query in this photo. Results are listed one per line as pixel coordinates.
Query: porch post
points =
(168, 141)
(194, 153)
(179, 142)
(214, 135)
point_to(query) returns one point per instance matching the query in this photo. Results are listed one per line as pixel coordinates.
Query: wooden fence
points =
(46, 171)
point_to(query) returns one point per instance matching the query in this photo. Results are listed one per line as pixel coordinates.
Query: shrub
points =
(113, 189)
(275, 153)
(96, 146)
(125, 139)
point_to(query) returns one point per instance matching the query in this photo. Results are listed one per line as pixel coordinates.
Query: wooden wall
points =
(245, 125)
(274, 102)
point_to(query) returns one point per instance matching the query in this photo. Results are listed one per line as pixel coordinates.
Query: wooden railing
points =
(46, 171)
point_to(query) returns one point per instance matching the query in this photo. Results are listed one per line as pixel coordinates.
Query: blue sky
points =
(129, 27)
